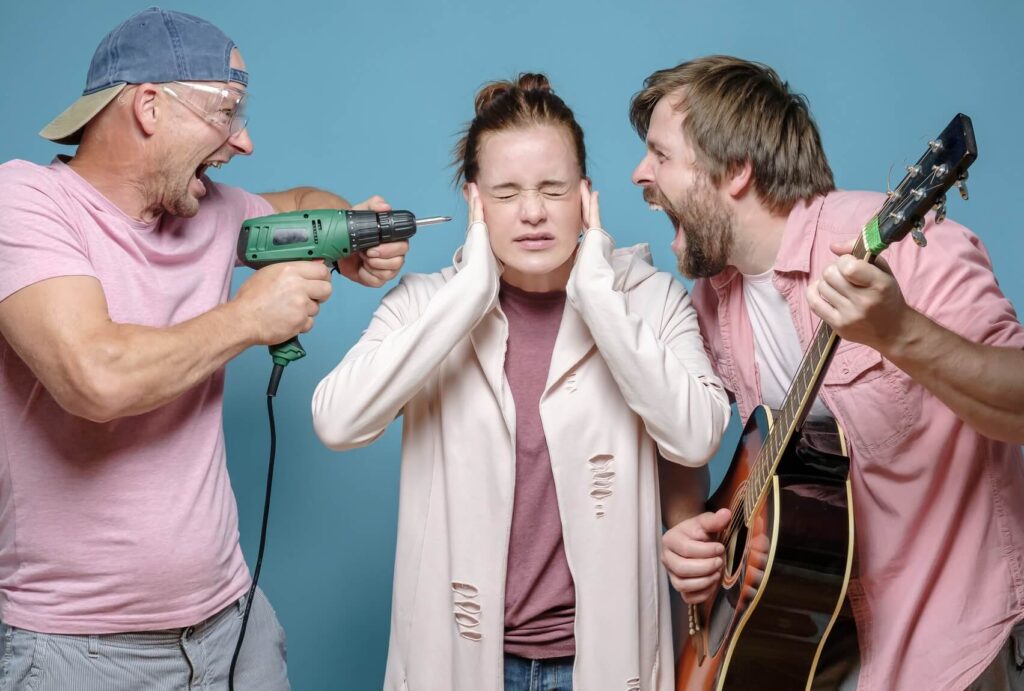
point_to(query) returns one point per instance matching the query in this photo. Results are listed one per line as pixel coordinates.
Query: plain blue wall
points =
(365, 98)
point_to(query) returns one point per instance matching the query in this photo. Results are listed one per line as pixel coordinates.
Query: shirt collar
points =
(797, 240)
(798, 237)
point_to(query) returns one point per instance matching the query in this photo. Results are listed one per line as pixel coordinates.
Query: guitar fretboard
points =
(799, 398)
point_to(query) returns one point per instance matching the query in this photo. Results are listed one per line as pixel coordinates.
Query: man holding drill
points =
(120, 566)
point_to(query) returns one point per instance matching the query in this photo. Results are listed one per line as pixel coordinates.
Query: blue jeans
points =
(554, 674)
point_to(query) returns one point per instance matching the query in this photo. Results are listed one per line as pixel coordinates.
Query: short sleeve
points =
(38, 240)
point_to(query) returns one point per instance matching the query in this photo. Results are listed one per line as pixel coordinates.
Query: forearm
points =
(682, 406)
(304, 198)
(982, 384)
(684, 491)
(686, 414)
(395, 358)
(129, 369)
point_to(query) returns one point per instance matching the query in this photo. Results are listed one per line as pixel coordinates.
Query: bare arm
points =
(101, 370)
(304, 198)
(982, 384)
(684, 491)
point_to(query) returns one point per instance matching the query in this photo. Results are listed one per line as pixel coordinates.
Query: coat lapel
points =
(572, 345)
(490, 338)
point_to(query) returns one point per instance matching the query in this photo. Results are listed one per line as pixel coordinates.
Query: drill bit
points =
(432, 220)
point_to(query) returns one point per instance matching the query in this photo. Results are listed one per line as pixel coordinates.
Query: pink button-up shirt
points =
(939, 508)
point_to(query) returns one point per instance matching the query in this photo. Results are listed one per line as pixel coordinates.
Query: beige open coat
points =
(629, 377)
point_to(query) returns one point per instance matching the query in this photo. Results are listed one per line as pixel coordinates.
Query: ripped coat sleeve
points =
(658, 362)
(402, 348)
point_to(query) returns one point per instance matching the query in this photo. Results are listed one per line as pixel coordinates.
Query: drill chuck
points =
(368, 228)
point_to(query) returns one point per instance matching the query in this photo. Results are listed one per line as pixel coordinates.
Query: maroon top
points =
(540, 600)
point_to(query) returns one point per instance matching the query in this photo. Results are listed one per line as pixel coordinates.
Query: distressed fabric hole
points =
(470, 607)
(466, 619)
(570, 383)
(465, 589)
(602, 478)
(633, 684)
(466, 611)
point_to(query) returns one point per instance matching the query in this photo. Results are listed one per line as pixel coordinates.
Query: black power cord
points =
(275, 379)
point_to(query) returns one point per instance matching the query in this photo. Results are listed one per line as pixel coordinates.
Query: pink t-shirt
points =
(938, 507)
(128, 525)
(540, 599)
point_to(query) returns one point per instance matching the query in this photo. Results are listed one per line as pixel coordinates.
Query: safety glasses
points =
(222, 107)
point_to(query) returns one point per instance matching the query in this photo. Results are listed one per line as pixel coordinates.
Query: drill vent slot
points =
(317, 226)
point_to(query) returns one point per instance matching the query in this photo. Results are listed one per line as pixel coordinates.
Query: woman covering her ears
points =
(539, 379)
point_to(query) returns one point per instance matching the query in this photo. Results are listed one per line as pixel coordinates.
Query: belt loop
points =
(94, 646)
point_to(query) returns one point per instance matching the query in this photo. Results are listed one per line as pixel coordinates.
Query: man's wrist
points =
(910, 335)
(232, 319)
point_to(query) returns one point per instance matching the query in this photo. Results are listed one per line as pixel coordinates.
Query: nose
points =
(532, 210)
(643, 174)
(242, 142)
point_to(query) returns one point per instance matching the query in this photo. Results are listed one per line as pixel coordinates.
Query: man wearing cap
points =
(120, 566)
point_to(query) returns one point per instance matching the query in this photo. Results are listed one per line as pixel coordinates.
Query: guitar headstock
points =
(943, 165)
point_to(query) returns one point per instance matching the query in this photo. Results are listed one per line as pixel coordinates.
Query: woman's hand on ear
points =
(591, 210)
(473, 203)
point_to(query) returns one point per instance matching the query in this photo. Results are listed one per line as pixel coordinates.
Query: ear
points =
(465, 191)
(739, 180)
(147, 107)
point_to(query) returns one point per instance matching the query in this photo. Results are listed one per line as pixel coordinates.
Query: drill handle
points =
(286, 352)
(282, 354)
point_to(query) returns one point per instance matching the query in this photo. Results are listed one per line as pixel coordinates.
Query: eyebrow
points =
(654, 144)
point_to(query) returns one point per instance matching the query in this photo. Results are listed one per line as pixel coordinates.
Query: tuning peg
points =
(940, 209)
(917, 232)
(962, 185)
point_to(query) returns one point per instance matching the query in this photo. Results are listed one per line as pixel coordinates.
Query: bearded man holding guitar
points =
(901, 498)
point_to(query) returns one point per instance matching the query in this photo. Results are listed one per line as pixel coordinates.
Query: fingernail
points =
(373, 252)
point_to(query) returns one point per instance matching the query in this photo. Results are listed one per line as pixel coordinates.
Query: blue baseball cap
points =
(152, 46)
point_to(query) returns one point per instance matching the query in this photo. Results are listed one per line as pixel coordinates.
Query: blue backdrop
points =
(365, 98)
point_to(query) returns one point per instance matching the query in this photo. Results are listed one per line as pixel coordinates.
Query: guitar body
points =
(786, 573)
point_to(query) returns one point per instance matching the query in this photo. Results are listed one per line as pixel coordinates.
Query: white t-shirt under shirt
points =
(777, 348)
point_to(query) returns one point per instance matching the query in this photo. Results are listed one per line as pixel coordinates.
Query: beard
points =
(707, 226)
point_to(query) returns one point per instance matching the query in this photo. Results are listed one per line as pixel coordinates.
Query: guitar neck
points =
(798, 402)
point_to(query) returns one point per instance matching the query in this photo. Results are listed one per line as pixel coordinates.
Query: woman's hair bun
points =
(492, 92)
(531, 81)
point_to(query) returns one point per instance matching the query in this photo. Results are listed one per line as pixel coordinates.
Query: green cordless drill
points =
(327, 234)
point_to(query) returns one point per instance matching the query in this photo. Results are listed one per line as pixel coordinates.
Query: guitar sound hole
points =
(736, 543)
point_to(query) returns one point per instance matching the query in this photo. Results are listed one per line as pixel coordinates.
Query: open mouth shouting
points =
(196, 183)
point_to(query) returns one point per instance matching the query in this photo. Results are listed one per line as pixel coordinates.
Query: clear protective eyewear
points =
(222, 106)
